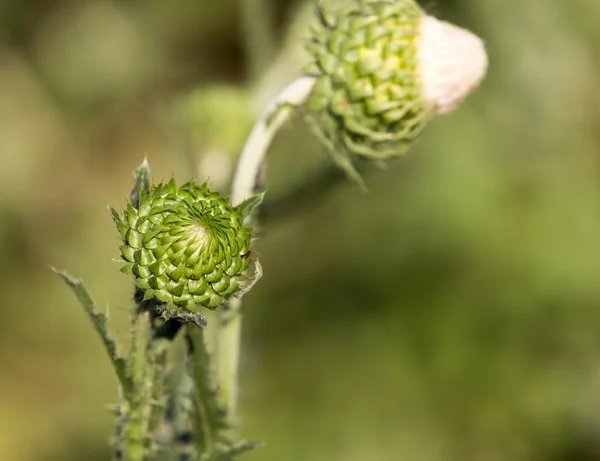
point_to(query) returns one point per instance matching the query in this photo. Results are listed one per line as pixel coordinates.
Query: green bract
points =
(367, 100)
(187, 247)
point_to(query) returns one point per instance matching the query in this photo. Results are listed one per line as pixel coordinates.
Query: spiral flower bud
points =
(383, 69)
(187, 247)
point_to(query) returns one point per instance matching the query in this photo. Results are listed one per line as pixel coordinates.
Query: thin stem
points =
(228, 355)
(157, 363)
(210, 417)
(245, 182)
(137, 405)
(162, 334)
(246, 178)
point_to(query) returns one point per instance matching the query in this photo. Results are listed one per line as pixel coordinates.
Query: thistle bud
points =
(383, 69)
(186, 247)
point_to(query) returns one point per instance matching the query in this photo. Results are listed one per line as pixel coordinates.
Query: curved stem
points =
(245, 182)
(247, 173)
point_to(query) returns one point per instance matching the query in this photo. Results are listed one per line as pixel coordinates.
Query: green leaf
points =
(115, 215)
(141, 184)
(121, 226)
(100, 323)
(247, 207)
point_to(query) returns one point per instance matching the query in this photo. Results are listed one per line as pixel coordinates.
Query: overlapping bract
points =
(187, 247)
(367, 100)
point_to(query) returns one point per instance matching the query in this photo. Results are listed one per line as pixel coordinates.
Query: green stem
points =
(247, 175)
(228, 347)
(246, 181)
(212, 425)
(143, 407)
(137, 403)
(157, 363)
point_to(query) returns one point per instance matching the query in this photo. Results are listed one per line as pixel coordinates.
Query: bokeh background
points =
(452, 313)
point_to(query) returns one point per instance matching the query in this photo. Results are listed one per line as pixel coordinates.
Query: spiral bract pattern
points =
(186, 246)
(368, 100)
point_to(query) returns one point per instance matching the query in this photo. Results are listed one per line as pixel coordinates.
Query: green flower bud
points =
(383, 69)
(187, 247)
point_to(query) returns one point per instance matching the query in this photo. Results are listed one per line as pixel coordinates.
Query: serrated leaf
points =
(121, 226)
(247, 207)
(141, 183)
(100, 323)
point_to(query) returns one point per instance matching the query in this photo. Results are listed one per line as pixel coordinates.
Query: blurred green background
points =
(452, 313)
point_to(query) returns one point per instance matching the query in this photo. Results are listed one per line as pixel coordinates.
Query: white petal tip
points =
(452, 63)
